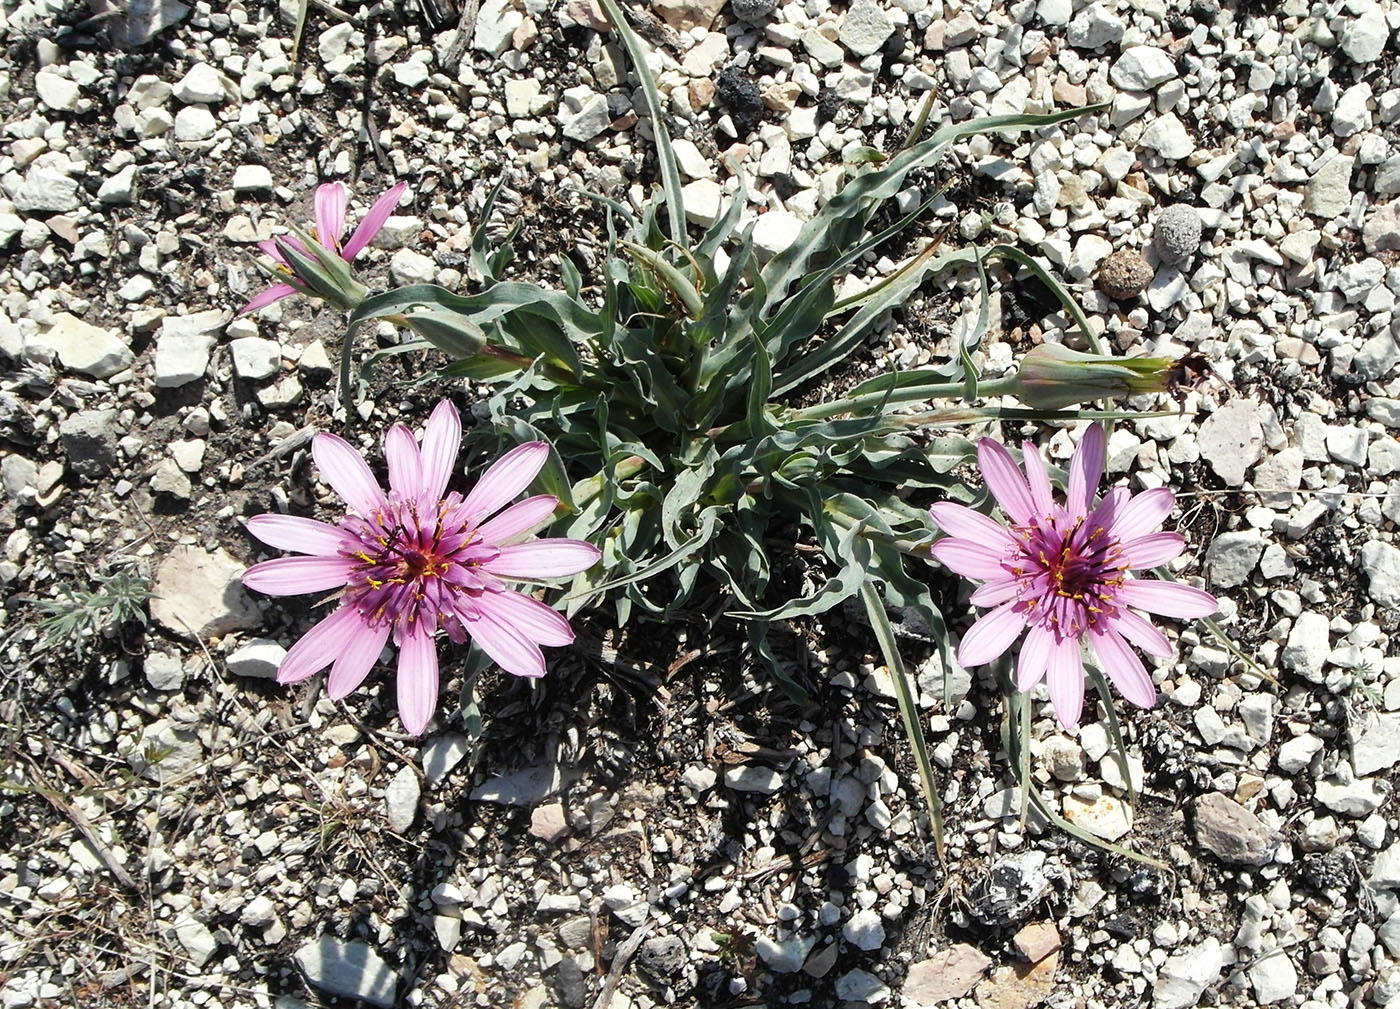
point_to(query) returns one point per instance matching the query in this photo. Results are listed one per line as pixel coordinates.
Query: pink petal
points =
(506, 646)
(1150, 551)
(292, 576)
(347, 472)
(989, 637)
(1042, 494)
(374, 221)
(267, 297)
(1123, 666)
(531, 618)
(995, 592)
(1167, 599)
(418, 681)
(442, 437)
(1064, 674)
(1005, 481)
(965, 523)
(358, 654)
(331, 201)
(1143, 515)
(319, 646)
(969, 559)
(506, 477)
(544, 559)
(1034, 657)
(518, 520)
(1141, 633)
(404, 462)
(300, 535)
(1086, 470)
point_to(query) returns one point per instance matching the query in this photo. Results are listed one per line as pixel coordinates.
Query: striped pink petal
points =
(1141, 633)
(1123, 666)
(373, 222)
(506, 645)
(417, 681)
(1086, 470)
(319, 646)
(532, 618)
(506, 477)
(1042, 494)
(346, 470)
(1143, 515)
(992, 635)
(552, 558)
(519, 519)
(1167, 599)
(965, 523)
(331, 202)
(404, 462)
(969, 559)
(300, 535)
(266, 297)
(293, 576)
(1150, 551)
(1005, 481)
(358, 654)
(1035, 656)
(442, 437)
(1064, 675)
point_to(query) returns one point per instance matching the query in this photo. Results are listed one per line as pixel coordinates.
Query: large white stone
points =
(774, 232)
(200, 85)
(85, 348)
(1142, 68)
(1168, 137)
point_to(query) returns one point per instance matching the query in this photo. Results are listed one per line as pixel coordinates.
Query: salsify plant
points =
(678, 390)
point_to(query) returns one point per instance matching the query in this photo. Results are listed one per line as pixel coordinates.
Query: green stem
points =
(919, 393)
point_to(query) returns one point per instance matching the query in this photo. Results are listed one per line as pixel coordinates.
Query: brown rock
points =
(1124, 275)
(1232, 833)
(683, 15)
(1069, 95)
(702, 93)
(946, 975)
(1037, 940)
(201, 594)
(547, 822)
(1018, 987)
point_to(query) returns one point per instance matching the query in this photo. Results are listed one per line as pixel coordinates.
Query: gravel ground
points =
(650, 824)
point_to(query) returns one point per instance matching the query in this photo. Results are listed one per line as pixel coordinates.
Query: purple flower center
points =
(1069, 572)
(417, 565)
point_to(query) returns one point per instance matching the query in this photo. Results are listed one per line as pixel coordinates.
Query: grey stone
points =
(169, 479)
(1328, 192)
(165, 752)
(1176, 234)
(1381, 562)
(198, 941)
(1376, 357)
(255, 358)
(865, 27)
(524, 787)
(1385, 871)
(1231, 557)
(90, 442)
(200, 85)
(348, 969)
(1232, 833)
(1375, 743)
(120, 187)
(1010, 890)
(587, 121)
(164, 671)
(1231, 440)
(401, 799)
(1277, 477)
(440, 755)
(1307, 646)
(201, 594)
(1297, 753)
(1142, 68)
(861, 986)
(753, 11)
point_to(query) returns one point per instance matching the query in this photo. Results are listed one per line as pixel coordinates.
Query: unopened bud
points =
(448, 331)
(1051, 377)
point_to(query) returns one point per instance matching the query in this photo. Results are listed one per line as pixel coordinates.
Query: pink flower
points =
(1060, 573)
(332, 200)
(412, 561)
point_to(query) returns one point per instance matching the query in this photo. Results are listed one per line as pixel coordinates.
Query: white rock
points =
(753, 778)
(865, 930)
(255, 358)
(496, 22)
(198, 941)
(1328, 192)
(1297, 753)
(194, 123)
(56, 91)
(1274, 978)
(521, 93)
(1054, 12)
(1094, 26)
(774, 232)
(401, 799)
(1351, 114)
(181, 359)
(1185, 976)
(120, 187)
(1232, 439)
(822, 49)
(201, 594)
(1356, 798)
(1364, 37)
(349, 969)
(1142, 68)
(865, 27)
(1376, 743)
(200, 85)
(1381, 562)
(861, 986)
(704, 201)
(46, 189)
(784, 955)
(591, 118)
(251, 179)
(164, 671)
(1307, 646)
(85, 348)
(259, 658)
(1168, 137)
(409, 266)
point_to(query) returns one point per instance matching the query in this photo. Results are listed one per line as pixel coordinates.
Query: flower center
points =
(1069, 574)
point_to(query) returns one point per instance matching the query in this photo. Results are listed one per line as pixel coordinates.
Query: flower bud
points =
(321, 272)
(1052, 377)
(448, 331)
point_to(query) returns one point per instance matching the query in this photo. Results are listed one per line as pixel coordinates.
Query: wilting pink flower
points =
(412, 561)
(1061, 574)
(332, 199)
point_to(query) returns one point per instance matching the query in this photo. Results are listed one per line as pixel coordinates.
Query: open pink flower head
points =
(332, 201)
(1061, 574)
(413, 560)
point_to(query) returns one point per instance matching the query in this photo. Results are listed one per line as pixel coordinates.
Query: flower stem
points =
(903, 396)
